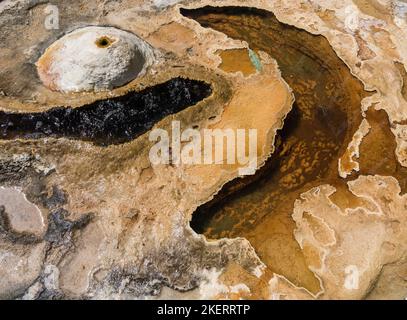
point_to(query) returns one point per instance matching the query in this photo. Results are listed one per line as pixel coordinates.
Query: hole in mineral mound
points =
(110, 121)
(104, 42)
(323, 120)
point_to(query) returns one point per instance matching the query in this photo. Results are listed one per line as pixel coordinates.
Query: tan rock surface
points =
(118, 226)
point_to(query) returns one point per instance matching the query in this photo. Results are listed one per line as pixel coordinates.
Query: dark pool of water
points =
(323, 120)
(109, 121)
(324, 117)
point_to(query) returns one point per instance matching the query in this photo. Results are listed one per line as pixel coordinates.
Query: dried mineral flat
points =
(94, 220)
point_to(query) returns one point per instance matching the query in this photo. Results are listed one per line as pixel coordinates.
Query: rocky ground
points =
(85, 214)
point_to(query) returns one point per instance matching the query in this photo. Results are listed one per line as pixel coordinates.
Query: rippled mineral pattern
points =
(85, 212)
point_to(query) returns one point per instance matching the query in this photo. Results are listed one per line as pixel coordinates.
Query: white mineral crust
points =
(94, 58)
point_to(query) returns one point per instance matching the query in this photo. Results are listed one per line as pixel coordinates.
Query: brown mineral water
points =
(316, 133)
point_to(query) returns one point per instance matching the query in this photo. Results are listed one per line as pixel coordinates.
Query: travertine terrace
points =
(84, 214)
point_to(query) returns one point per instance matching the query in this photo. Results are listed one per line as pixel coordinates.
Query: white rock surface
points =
(165, 3)
(94, 58)
(24, 216)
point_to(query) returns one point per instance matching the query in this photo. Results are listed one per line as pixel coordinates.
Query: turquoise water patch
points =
(254, 58)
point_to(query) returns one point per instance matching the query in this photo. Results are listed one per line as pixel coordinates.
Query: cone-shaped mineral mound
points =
(94, 58)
